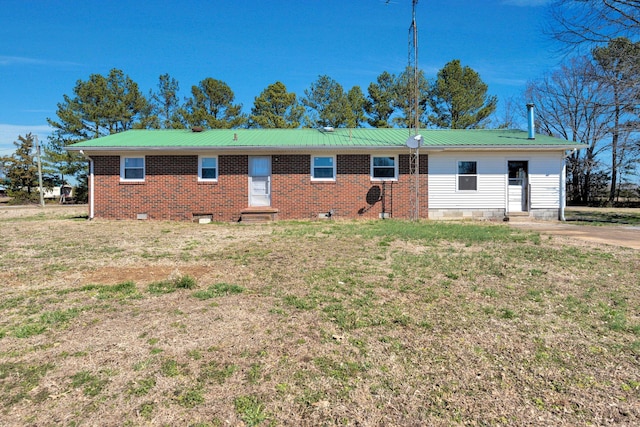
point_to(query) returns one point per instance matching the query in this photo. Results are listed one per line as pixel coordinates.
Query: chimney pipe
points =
(531, 121)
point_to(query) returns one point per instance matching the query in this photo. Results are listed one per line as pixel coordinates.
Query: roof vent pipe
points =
(531, 121)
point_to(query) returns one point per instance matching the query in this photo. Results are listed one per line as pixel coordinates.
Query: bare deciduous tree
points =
(579, 22)
(617, 69)
(568, 107)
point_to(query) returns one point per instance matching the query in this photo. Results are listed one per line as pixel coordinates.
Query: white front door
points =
(260, 181)
(515, 195)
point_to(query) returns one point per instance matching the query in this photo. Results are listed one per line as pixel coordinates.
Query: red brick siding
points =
(171, 189)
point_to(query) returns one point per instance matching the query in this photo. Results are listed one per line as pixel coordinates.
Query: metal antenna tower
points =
(414, 118)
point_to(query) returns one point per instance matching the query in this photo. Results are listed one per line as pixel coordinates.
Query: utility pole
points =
(414, 117)
(39, 172)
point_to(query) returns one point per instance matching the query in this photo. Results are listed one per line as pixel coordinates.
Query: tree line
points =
(107, 104)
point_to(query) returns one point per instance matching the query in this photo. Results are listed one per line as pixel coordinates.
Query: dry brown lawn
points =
(312, 323)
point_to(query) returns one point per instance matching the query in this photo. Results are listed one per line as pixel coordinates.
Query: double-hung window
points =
(384, 168)
(323, 168)
(132, 168)
(207, 168)
(467, 176)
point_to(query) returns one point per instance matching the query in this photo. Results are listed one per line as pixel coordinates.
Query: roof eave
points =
(239, 148)
(280, 148)
(507, 147)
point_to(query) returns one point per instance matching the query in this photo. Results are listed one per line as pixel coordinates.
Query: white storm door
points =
(260, 181)
(516, 195)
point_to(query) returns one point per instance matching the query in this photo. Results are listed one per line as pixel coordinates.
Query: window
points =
(384, 168)
(132, 168)
(467, 176)
(207, 168)
(323, 168)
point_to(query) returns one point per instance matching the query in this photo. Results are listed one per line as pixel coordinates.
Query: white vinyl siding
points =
(544, 178)
(544, 181)
(443, 182)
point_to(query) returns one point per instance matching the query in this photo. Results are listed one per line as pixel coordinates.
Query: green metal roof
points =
(315, 139)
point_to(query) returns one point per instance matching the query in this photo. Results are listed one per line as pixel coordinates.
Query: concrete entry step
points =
(518, 216)
(255, 215)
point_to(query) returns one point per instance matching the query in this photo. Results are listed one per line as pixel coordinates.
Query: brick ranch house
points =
(236, 174)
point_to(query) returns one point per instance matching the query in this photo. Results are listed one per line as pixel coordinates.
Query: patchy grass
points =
(314, 323)
(91, 384)
(168, 286)
(218, 290)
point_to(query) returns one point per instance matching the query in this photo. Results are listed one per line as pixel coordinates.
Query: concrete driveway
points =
(617, 235)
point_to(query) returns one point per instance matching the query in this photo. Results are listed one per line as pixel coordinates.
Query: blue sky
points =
(47, 45)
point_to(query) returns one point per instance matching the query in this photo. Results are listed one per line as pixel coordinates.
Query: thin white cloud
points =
(9, 133)
(526, 3)
(22, 60)
(19, 60)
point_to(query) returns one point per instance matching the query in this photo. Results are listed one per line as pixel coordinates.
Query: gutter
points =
(289, 148)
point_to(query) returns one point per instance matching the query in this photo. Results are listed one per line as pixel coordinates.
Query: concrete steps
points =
(254, 215)
(518, 217)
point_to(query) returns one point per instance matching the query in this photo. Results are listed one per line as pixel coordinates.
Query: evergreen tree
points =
(211, 106)
(165, 104)
(276, 108)
(21, 170)
(99, 106)
(459, 99)
(327, 104)
(357, 102)
(380, 100)
(402, 99)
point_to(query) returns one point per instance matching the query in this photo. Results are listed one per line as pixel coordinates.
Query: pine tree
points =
(327, 104)
(21, 170)
(211, 106)
(380, 100)
(276, 108)
(459, 99)
(165, 105)
(402, 99)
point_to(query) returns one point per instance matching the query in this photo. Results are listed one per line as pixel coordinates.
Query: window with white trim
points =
(467, 176)
(132, 168)
(384, 168)
(207, 168)
(323, 168)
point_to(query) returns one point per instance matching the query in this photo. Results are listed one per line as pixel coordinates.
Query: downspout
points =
(91, 185)
(563, 189)
(563, 184)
